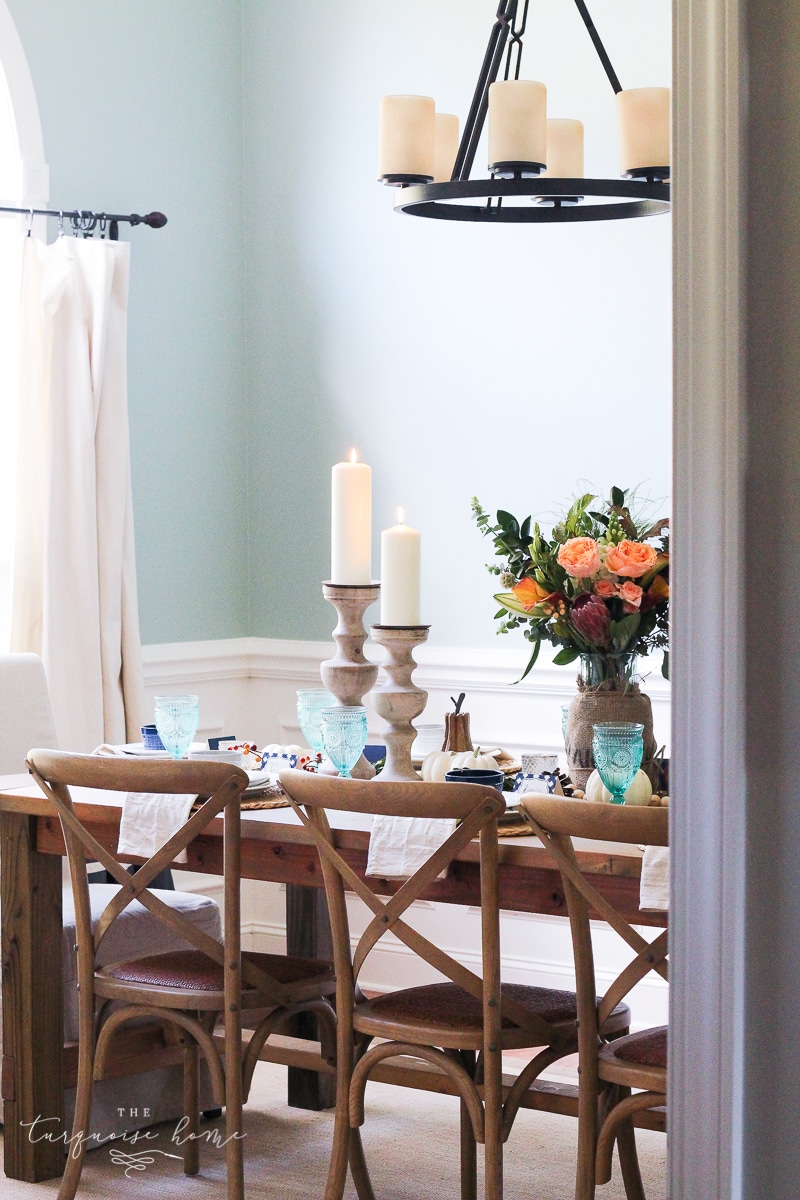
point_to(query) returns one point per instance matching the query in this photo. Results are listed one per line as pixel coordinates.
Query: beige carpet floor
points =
(411, 1141)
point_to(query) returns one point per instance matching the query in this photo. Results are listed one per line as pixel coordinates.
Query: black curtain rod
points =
(85, 221)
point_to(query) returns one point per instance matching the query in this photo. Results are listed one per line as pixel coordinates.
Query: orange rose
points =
(580, 557)
(528, 592)
(630, 558)
(605, 588)
(631, 594)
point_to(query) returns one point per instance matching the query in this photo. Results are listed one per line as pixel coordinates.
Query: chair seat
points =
(645, 1049)
(191, 970)
(453, 1011)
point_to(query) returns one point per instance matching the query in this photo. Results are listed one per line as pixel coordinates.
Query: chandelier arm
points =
(598, 45)
(473, 127)
(515, 42)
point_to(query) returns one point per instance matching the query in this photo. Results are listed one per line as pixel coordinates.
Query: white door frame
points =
(708, 819)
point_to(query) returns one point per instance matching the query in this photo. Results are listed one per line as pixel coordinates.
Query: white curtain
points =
(74, 598)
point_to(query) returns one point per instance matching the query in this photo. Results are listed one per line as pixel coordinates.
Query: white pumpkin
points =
(436, 765)
(475, 761)
(639, 792)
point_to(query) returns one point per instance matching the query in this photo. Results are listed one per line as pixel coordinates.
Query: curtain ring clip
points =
(29, 221)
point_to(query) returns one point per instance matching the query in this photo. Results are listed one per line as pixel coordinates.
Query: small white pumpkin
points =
(436, 765)
(639, 792)
(475, 761)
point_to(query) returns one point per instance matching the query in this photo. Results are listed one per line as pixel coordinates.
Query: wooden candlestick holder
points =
(348, 675)
(397, 700)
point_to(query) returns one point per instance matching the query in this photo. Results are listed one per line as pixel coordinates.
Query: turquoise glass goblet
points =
(177, 718)
(618, 749)
(310, 703)
(344, 736)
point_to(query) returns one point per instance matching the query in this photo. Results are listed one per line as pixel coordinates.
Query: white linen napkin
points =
(399, 846)
(654, 884)
(149, 819)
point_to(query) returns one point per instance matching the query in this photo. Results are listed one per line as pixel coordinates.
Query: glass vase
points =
(608, 672)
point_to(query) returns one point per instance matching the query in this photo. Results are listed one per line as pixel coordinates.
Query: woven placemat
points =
(518, 829)
(266, 802)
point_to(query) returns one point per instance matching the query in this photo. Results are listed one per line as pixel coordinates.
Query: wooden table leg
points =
(33, 1025)
(308, 934)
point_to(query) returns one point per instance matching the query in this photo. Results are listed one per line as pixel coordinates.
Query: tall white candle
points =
(351, 523)
(400, 555)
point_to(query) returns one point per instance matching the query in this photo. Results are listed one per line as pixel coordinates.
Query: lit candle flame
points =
(400, 519)
(353, 456)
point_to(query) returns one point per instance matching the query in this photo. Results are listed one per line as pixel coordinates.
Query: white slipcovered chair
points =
(26, 720)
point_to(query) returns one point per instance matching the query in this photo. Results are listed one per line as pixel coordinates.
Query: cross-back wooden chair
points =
(461, 1026)
(186, 989)
(608, 1070)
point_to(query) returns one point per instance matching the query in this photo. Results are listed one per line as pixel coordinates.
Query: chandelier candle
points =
(406, 140)
(351, 523)
(564, 148)
(643, 127)
(517, 128)
(400, 557)
(445, 147)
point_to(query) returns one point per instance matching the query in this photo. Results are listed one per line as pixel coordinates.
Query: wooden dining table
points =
(36, 1065)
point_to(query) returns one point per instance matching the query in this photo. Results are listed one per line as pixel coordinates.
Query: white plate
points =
(138, 750)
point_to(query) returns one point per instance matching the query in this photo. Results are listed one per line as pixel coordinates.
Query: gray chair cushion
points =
(138, 1100)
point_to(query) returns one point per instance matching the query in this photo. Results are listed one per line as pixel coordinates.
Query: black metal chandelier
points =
(416, 159)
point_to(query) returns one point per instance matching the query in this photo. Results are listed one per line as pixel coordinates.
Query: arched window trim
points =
(35, 177)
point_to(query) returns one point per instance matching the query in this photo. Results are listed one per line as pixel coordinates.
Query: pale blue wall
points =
(515, 364)
(512, 363)
(141, 109)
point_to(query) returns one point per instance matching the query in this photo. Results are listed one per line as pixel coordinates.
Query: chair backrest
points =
(26, 717)
(476, 808)
(557, 821)
(218, 786)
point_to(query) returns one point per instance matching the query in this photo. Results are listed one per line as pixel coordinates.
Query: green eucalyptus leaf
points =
(565, 656)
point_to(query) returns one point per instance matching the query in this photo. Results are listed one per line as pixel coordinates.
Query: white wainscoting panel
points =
(247, 688)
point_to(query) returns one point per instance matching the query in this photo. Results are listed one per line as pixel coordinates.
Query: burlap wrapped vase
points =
(613, 699)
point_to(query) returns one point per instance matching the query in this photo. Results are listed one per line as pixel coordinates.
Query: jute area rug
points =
(411, 1142)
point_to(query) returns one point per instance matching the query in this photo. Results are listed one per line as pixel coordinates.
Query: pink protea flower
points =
(591, 618)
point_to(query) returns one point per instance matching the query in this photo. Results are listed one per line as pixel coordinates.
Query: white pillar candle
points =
(351, 523)
(445, 147)
(517, 121)
(400, 555)
(643, 128)
(406, 140)
(564, 148)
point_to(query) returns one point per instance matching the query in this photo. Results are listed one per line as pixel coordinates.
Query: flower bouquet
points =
(597, 589)
(598, 586)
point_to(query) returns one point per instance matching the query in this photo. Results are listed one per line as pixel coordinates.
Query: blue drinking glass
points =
(177, 718)
(310, 703)
(618, 749)
(344, 736)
